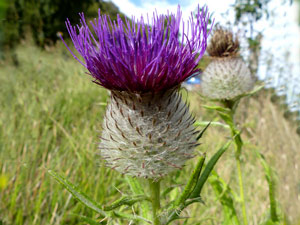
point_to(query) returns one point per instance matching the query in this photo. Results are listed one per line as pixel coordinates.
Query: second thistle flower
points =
(227, 76)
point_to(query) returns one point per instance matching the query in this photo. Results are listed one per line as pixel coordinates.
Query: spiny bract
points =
(226, 76)
(147, 135)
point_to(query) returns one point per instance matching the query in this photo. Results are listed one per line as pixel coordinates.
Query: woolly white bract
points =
(147, 135)
(226, 78)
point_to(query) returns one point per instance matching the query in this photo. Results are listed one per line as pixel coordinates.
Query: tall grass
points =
(50, 118)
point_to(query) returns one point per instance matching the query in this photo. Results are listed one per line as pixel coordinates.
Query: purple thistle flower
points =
(136, 57)
(147, 129)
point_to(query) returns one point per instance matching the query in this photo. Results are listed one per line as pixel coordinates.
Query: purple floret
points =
(135, 57)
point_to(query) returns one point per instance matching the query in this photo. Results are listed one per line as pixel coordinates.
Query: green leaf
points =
(77, 194)
(208, 168)
(168, 190)
(191, 183)
(271, 184)
(137, 189)
(212, 123)
(254, 91)
(135, 186)
(227, 118)
(217, 108)
(127, 200)
(88, 220)
(175, 212)
(130, 217)
(223, 193)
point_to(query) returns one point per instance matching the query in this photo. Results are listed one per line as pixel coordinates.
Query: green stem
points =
(232, 105)
(238, 165)
(155, 199)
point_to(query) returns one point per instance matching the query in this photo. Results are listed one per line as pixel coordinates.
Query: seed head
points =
(223, 43)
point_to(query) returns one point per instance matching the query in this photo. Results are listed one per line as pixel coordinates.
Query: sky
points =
(281, 34)
(138, 7)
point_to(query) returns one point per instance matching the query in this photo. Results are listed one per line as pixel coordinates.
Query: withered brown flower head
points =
(223, 43)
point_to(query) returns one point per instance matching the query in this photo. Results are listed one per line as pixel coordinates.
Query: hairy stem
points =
(155, 199)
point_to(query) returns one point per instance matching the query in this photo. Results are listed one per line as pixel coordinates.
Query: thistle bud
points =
(227, 76)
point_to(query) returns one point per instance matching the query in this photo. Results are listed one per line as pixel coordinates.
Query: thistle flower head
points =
(223, 43)
(147, 130)
(147, 135)
(226, 76)
(137, 57)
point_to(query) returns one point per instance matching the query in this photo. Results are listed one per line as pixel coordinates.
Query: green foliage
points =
(77, 194)
(251, 8)
(271, 183)
(208, 169)
(46, 19)
(226, 197)
(190, 186)
(50, 116)
(192, 191)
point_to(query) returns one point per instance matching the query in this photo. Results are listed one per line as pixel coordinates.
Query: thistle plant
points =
(147, 131)
(227, 79)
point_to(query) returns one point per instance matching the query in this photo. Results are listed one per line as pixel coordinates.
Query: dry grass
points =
(264, 129)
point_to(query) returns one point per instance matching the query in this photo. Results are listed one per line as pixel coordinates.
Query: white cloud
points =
(162, 6)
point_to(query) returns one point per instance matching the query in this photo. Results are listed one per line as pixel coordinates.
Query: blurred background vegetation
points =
(51, 114)
(44, 19)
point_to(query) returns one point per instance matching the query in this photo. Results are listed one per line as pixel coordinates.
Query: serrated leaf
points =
(208, 168)
(77, 194)
(191, 183)
(126, 200)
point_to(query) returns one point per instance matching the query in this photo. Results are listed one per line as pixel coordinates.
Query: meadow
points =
(50, 118)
